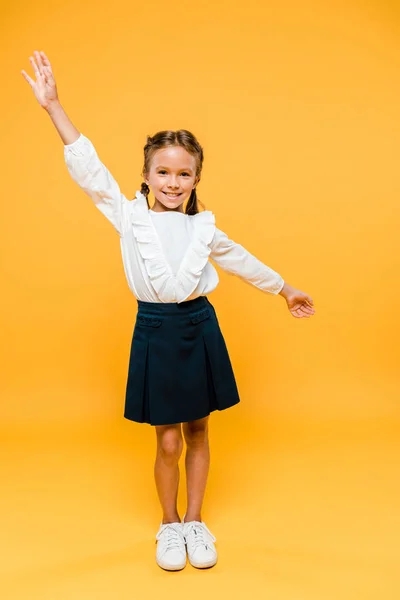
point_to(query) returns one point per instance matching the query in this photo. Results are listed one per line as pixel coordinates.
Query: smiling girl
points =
(179, 367)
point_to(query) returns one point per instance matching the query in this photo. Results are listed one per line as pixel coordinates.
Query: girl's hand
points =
(44, 87)
(299, 303)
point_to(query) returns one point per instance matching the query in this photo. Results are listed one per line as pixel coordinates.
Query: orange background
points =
(297, 108)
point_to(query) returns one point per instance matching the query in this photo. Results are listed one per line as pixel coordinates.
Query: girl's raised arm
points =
(81, 158)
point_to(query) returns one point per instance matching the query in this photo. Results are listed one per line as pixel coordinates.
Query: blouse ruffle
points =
(168, 287)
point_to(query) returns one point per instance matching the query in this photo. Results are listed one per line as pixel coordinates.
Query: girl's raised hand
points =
(44, 87)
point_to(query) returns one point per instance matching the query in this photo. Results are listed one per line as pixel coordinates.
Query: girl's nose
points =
(173, 183)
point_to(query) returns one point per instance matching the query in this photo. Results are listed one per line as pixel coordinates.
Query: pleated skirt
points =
(179, 366)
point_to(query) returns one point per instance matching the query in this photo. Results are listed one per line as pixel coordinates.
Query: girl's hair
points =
(164, 139)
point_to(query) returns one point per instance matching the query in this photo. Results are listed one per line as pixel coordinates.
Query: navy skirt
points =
(179, 366)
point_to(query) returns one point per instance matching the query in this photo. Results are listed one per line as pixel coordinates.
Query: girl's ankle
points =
(192, 518)
(166, 520)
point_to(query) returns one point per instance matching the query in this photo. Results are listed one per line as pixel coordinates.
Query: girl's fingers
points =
(47, 73)
(32, 61)
(45, 59)
(307, 308)
(29, 80)
(39, 61)
(47, 66)
(302, 310)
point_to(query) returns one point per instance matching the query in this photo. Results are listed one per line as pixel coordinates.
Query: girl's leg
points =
(166, 469)
(197, 462)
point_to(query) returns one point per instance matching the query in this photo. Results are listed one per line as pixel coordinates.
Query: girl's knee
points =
(196, 432)
(170, 442)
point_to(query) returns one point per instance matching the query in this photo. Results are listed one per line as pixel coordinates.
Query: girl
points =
(179, 367)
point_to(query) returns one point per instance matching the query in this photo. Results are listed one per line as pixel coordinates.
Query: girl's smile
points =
(172, 196)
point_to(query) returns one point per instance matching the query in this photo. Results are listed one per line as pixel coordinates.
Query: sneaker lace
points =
(201, 534)
(172, 532)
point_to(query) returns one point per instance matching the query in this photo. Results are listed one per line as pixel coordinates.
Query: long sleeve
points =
(87, 170)
(235, 259)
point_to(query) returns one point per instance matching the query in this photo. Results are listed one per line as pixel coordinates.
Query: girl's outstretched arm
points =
(81, 158)
(235, 259)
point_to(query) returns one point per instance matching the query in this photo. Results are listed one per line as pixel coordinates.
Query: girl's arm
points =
(80, 155)
(235, 259)
(68, 132)
(87, 170)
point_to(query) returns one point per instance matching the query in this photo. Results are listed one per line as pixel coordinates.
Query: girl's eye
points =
(162, 171)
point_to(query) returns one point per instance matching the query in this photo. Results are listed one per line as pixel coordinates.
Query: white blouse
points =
(165, 255)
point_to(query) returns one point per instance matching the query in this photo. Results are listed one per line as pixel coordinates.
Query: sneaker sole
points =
(171, 567)
(204, 565)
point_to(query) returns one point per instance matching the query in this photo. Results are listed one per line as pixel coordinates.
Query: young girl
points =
(179, 368)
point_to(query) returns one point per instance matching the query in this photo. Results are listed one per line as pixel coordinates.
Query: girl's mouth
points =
(171, 196)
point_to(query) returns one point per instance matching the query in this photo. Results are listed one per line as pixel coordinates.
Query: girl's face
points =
(171, 178)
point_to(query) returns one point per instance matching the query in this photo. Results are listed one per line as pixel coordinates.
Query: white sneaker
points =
(199, 543)
(171, 550)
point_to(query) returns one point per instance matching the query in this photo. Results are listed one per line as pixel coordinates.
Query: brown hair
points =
(163, 139)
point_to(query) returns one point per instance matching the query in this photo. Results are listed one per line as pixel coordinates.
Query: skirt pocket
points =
(200, 315)
(149, 321)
